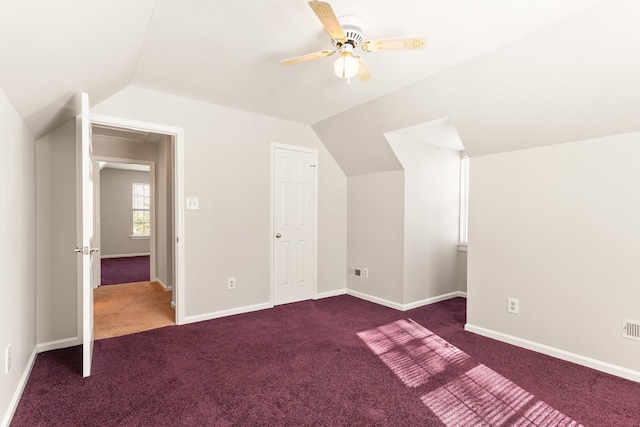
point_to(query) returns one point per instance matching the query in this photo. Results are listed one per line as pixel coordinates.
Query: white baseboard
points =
(405, 307)
(598, 365)
(330, 294)
(224, 313)
(13, 405)
(166, 288)
(54, 345)
(366, 297)
(371, 298)
(434, 300)
(123, 255)
(173, 304)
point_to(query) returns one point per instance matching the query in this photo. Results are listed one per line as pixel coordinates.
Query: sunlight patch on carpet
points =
(478, 396)
(412, 352)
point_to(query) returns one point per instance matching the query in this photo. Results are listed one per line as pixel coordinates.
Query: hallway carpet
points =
(129, 308)
(114, 271)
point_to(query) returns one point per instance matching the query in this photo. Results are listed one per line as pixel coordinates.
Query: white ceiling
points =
(127, 134)
(227, 51)
(125, 166)
(440, 132)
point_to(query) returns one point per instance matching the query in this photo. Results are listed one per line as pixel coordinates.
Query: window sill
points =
(132, 237)
(462, 248)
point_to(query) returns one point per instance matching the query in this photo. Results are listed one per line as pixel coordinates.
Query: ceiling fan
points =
(347, 34)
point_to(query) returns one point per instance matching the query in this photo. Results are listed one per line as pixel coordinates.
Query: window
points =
(464, 201)
(141, 202)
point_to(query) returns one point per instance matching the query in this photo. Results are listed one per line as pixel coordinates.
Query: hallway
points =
(131, 307)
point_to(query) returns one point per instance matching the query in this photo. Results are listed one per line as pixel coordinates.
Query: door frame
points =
(178, 196)
(97, 199)
(275, 146)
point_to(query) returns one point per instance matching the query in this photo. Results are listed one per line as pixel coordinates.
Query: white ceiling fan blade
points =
(329, 20)
(394, 44)
(364, 73)
(308, 57)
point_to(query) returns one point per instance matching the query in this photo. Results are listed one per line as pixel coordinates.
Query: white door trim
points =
(314, 152)
(178, 202)
(152, 182)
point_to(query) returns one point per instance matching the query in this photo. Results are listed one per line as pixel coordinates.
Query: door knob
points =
(85, 250)
(278, 235)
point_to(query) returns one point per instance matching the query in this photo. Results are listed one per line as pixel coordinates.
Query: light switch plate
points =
(193, 203)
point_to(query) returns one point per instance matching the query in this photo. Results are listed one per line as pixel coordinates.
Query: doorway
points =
(125, 217)
(159, 148)
(132, 199)
(131, 295)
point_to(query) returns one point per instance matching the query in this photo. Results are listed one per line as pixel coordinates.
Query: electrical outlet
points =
(231, 283)
(365, 272)
(513, 305)
(7, 359)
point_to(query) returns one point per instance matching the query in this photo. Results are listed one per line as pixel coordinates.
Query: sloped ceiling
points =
(574, 80)
(50, 51)
(227, 51)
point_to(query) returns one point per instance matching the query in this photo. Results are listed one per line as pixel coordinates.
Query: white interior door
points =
(86, 247)
(294, 224)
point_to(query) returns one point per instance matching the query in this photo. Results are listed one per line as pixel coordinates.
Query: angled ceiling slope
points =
(571, 81)
(61, 48)
(219, 52)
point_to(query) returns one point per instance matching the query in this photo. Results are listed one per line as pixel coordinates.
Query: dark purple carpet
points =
(115, 271)
(338, 361)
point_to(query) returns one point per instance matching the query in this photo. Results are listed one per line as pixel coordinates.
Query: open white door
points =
(85, 246)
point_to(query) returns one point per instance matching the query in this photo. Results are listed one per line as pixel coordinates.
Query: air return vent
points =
(631, 329)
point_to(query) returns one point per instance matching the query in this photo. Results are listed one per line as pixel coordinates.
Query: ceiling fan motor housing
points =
(353, 27)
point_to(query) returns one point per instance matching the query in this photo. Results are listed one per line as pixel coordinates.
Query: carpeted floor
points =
(337, 361)
(114, 271)
(129, 308)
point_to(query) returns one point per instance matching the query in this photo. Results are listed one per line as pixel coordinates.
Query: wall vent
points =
(631, 329)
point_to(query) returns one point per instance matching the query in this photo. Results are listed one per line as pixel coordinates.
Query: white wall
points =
(164, 217)
(375, 232)
(557, 227)
(462, 271)
(227, 165)
(57, 290)
(403, 227)
(124, 148)
(115, 212)
(431, 213)
(17, 249)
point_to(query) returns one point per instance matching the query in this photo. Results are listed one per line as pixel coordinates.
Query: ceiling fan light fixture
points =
(347, 65)
(347, 34)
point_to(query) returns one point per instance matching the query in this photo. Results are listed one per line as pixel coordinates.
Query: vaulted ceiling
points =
(573, 80)
(227, 51)
(500, 75)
